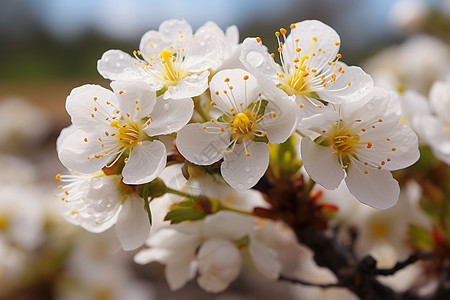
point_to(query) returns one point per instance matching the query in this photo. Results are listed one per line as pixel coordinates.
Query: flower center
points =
(296, 83)
(173, 72)
(345, 140)
(129, 133)
(242, 124)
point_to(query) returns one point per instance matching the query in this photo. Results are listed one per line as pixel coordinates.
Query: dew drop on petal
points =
(255, 58)
(247, 169)
(240, 186)
(96, 183)
(250, 179)
(166, 106)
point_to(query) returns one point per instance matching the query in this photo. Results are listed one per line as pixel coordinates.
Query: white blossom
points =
(364, 141)
(177, 246)
(107, 126)
(309, 69)
(239, 135)
(97, 202)
(173, 59)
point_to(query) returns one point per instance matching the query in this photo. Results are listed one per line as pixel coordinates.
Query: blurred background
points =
(49, 47)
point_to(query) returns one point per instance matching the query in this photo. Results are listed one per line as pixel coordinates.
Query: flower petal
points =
(135, 98)
(321, 164)
(282, 123)
(264, 258)
(257, 60)
(169, 115)
(83, 103)
(118, 65)
(132, 225)
(145, 162)
(74, 152)
(377, 188)
(314, 32)
(243, 91)
(354, 84)
(177, 274)
(238, 225)
(188, 87)
(242, 172)
(201, 147)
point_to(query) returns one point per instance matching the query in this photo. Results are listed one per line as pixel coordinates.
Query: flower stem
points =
(199, 109)
(147, 203)
(180, 193)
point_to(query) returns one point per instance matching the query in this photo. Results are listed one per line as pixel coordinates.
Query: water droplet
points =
(250, 179)
(255, 58)
(96, 183)
(247, 169)
(240, 186)
(166, 106)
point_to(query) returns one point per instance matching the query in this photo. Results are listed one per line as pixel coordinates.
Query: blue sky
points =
(129, 19)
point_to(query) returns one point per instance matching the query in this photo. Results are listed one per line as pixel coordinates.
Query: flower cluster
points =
(230, 109)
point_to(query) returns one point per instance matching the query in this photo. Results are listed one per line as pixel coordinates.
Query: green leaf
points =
(179, 215)
(420, 237)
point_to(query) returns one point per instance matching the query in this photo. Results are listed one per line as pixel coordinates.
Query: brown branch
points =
(306, 283)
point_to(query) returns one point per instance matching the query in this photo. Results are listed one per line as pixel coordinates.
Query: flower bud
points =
(219, 263)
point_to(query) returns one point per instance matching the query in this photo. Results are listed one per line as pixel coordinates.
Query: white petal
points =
(244, 91)
(90, 224)
(207, 49)
(133, 226)
(326, 37)
(339, 91)
(201, 147)
(188, 87)
(145, 163)
(84, 101)
(149, 255)
(65, 132)
(242, 172)
(264, 258)
(73, 152)
(321, 164)
(118, 65)
(219, 263)
(173, 29)
(377, 188)
(257, 60)
(440, 99)
(237, 225)
(280, 127)
(413, 104)
(128, 92)
(169, 115)
(177, 274)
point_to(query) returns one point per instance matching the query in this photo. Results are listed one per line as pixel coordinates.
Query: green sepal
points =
(184, 211)
(243, 242)
(161, 91)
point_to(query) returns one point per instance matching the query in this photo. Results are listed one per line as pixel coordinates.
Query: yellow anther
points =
(283, 31)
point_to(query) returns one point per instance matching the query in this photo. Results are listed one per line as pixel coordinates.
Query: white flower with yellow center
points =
(366, 141)
(96, 202)
(239, 135)
(172, 59)
(109, 126)
(309, 67)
